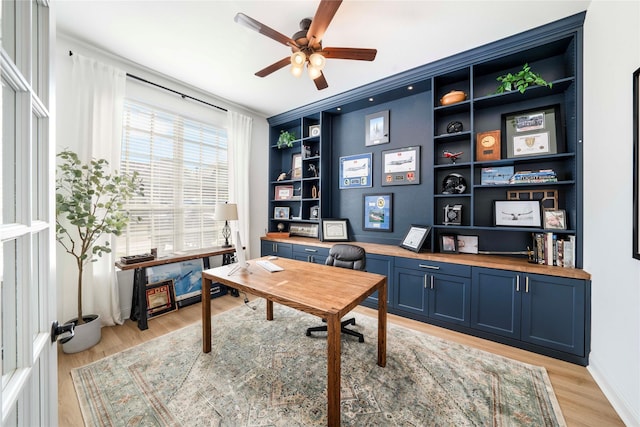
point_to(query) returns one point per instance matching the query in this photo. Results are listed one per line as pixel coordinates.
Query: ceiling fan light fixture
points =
(296, 70)
(298, 59)
(314, 72)
(317, 60)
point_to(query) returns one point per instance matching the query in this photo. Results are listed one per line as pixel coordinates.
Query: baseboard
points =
(620, 405)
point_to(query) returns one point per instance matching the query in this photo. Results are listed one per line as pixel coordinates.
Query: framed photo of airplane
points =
(401, 166)
(517, 213)
(377, 212)
(355, 171)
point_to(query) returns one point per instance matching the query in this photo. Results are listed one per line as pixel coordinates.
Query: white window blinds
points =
(183, 165)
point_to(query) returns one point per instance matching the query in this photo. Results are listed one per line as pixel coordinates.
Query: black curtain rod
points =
(184, 96)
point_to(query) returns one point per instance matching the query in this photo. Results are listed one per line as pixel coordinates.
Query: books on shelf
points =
(550, 249)
(534, 177)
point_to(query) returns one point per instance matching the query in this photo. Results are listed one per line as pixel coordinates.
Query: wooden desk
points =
(324, 291)
(139, 298)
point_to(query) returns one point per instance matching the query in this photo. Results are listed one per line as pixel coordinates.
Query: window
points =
(183, 165)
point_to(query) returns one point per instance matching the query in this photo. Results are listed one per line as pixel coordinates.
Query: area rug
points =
(263, 373)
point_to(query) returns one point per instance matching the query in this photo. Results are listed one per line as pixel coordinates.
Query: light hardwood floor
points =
(581, 400)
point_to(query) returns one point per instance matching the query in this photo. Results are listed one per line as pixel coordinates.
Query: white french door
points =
(27, 230)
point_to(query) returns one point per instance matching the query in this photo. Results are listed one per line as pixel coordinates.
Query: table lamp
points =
(226, 212)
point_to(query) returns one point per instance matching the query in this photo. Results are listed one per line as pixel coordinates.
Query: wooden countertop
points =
(489, 261)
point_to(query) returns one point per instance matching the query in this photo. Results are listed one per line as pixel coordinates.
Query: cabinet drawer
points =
(310, 253)
(434, 267)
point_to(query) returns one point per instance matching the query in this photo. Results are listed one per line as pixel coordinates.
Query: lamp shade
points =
(226, 212)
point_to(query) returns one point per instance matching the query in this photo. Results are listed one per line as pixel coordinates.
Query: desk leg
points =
(269, 310)
(333, 371)
(139, 299)
(382, 324)
(206, 316)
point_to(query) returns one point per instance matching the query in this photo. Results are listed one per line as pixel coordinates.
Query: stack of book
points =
(533, 177)
(548, 249)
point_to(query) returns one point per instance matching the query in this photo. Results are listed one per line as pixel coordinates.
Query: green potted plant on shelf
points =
(286, 139)
(89, 206)
(520, 80)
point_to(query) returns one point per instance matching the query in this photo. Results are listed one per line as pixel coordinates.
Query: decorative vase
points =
(85, 336)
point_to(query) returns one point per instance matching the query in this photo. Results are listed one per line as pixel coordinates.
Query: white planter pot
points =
(86, 335)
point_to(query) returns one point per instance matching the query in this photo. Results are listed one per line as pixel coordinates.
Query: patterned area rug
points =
(264, 373)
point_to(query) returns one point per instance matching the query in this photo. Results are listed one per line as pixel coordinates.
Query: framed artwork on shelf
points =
(303, 230)
(554, 219)
(283, 192)
(355, 171)
(401, 166)
(335, 230)
(377, 128)
(467, 244)
(161, 298)
(415, 238)
(448, 243)
(517, 213)
(377, 212)
(532, 132)
(548, 198)
(281, 212)
(296, 166)
(186, 275)
(636, 164)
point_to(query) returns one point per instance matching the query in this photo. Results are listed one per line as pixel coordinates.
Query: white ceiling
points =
(198, 42)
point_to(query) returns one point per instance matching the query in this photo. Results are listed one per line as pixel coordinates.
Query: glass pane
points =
(35, 285)
(9, 28)
(8, 298)
(8, 154)
(37, 169)
(35, 42)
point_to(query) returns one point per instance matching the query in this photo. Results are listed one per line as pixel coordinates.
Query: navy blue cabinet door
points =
(496, 301)
(449, 298)
(553, 313)
(380, 264)
(410, 293)
(268, 248)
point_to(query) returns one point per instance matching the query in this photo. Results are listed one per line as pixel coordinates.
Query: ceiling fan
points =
(306, 44)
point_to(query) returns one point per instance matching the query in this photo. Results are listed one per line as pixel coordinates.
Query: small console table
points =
(139, 299)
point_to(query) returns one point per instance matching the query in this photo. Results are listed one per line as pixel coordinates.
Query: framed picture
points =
(187, 279)
(548, 198)
(488, 146)
(335, 230)
(533, 132)
(448, 243)
(517, 213)
(401, 166)
(467, 244)
(296, 166)
(377, 128)
(415, 237)
(355, 171)
(283, 192)
(636, 164)
(161, 298)
(303, 230)
(554, 219)
(377, 212)
(281, 212)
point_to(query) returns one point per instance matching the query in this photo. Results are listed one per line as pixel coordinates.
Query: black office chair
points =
(345, 256)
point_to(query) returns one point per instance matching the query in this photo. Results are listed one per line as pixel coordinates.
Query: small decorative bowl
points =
(453, 97)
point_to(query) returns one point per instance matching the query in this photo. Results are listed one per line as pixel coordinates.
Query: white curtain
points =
(98, 99)
(240, 127)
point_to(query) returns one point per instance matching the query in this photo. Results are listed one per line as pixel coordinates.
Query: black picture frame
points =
(377, 212)
(377, 128)
(161, 298)
(533, 132)
(448, 244)
(401, 166)
(517, 213)
(415, 237)
(636, 164)
(335, 230)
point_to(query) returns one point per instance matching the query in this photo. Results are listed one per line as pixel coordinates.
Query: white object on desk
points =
(269, 266)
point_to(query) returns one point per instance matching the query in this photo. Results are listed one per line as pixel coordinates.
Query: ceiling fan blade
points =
(274, 67)
(326, 10)
(251, 23)
(349, 53)
(321, 82)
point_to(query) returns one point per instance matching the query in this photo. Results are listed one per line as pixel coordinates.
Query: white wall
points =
(611, 55)
(259, 154)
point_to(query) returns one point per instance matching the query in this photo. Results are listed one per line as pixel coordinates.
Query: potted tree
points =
(89, 206)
